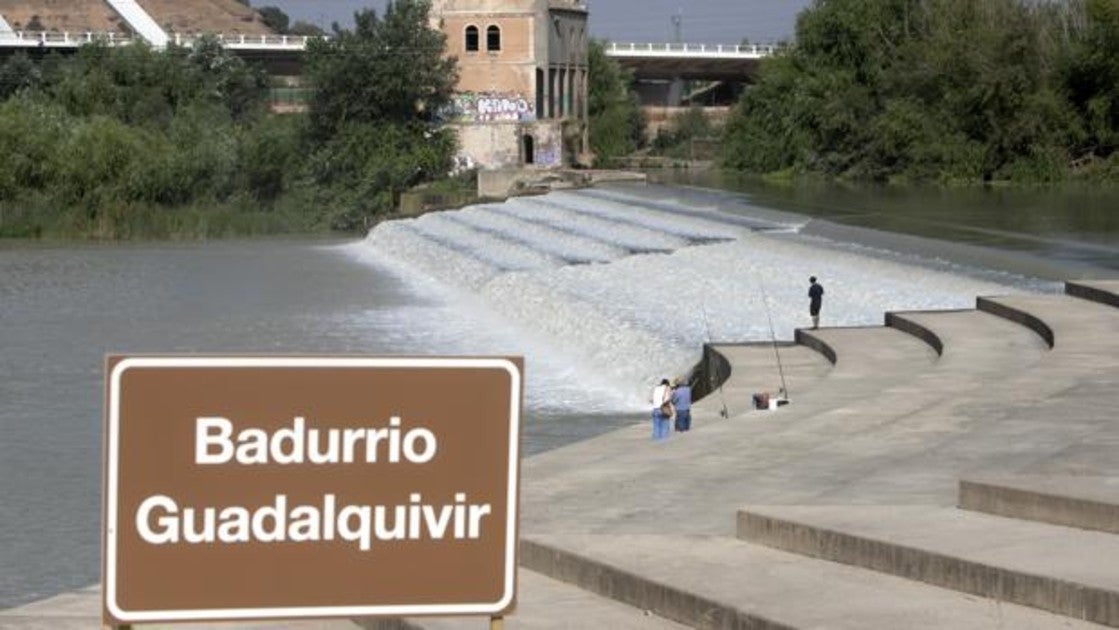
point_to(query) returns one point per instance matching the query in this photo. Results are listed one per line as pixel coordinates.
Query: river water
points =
(603, 291)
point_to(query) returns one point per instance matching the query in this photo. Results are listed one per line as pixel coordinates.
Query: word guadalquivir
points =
(161, 519)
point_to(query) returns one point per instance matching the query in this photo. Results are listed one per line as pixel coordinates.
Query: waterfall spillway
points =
(613, 288)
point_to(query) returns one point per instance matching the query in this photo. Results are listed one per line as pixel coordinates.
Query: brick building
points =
(522, 93)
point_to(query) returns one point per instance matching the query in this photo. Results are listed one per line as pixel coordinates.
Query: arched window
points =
(493, 38)
(472, 39)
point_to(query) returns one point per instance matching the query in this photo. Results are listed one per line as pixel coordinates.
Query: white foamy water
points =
(606, 293)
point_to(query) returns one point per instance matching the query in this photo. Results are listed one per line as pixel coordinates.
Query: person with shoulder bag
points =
(662, 410)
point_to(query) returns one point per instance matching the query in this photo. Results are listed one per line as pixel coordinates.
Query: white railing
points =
(250, 42)
(722, 51)
(298, 43)
(31, 39)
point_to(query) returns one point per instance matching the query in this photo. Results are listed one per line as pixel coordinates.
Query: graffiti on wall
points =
(492, 107)
(547, 156)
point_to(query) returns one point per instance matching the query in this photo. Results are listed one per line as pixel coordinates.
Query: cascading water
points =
(606, 292)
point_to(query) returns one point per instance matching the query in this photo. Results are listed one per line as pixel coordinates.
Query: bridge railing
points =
(54, 39)
(753, 51)
(61, 40)
(253, 42)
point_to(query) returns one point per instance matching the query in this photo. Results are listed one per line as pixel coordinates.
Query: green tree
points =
(923, 89)
(241, 88)
(388, 69)
(270, 157)
(274, 18)
(18, 74)
(617, 126)
(305, 29)
(1091, 77)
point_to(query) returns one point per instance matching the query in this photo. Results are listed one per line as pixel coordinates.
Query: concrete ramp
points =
(141, 22)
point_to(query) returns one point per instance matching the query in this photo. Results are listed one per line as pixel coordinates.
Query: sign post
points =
(310, 487)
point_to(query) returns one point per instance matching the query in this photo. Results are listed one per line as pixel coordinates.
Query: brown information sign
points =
(295, 487)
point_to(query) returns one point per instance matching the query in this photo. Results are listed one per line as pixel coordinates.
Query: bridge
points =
(648, 61)
(690, 62)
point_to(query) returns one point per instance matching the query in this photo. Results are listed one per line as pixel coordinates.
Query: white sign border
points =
(308, 611)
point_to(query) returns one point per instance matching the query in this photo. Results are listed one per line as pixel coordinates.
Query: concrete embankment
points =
(845, 509)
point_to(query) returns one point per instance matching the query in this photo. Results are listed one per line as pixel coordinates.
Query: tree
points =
(617, 126)
(274, 18)
(305, 29)
(386, 70)
(375, 119)
(923, 89)
(240, 87)
(18, 74)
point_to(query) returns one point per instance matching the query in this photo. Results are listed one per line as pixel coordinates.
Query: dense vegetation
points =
(616, 124)
(126, 142)
(947, 90)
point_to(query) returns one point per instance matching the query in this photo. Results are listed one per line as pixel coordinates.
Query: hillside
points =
(175, 16)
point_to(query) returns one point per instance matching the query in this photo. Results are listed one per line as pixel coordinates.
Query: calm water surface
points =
(1075, 224)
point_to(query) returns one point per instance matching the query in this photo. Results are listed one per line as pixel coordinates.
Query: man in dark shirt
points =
(816, 295)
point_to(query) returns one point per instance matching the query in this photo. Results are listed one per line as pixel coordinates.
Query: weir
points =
(618, 283)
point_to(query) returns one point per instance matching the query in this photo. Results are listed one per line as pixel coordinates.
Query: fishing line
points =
(712, 377)
(773, 337)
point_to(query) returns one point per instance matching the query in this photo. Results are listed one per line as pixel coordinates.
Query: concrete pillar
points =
(562, 74)
(553, 93)
(539, 94)
(676, 93)
(568, 91)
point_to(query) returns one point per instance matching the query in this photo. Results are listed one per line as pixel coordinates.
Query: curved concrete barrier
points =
(712, 371)
(989, 305)
(1102, 291)
(806, 338)
(900, 322)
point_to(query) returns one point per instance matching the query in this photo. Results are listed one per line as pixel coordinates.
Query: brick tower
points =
(522, 92)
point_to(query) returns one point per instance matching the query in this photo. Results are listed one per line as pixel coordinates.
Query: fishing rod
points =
(723, 413)
(773, 337)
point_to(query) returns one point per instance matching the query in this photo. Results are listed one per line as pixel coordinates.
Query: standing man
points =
(682, 401)
(662, 410)
(816, 295)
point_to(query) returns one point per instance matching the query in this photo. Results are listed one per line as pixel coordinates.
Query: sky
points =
(704, 21)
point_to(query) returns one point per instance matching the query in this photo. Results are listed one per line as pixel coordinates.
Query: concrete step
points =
(981, 343)
(81, 610)
(543, 604)
(1068, 324)
(1062, 570)
(1084, 502)
(756, 369)
(885, 354)
(720, 582)
(1102, 291)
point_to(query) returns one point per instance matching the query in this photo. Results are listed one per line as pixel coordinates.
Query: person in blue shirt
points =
(682, 401)
(816, 297)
